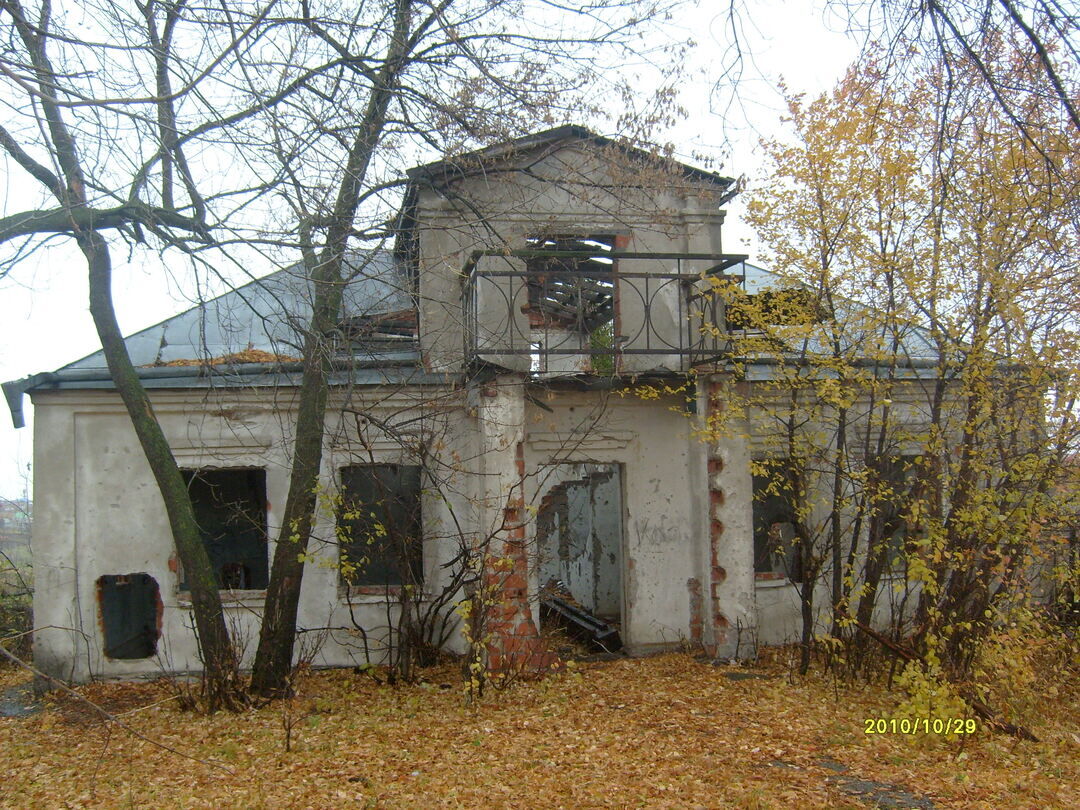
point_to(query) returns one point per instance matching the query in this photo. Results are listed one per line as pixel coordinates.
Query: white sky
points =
(45, 323)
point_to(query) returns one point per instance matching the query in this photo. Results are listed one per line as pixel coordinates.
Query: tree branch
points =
(70, 220)
(40, 172)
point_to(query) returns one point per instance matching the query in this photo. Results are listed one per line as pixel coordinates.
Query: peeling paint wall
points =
(684, 572)
(569, 190)
(664, 513)
(100, 514)
(731, 625)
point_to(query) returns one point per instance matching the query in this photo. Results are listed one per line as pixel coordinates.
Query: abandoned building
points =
(487, 393)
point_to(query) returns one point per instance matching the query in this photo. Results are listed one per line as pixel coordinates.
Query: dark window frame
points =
(245, 570)
(364, 527)
(902, 474)
(776, 556)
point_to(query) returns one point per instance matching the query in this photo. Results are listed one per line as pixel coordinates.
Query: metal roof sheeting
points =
(268, 314)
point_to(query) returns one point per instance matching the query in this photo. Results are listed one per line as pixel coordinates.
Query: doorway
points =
(579, 534)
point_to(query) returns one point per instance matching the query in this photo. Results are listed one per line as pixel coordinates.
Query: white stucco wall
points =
(99, 512)
(734, 596)
(570, 190)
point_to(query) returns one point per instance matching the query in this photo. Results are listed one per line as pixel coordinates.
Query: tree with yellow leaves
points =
(926, 385)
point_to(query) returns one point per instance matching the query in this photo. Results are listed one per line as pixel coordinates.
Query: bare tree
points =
(110, 159)
(123, 119)
(1042, 34)
(417, 77)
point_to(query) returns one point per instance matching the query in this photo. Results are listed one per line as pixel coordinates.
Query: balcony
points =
(570, 312)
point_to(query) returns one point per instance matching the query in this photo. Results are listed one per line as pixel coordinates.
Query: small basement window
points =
(230, 508)
(379, 527)
(776, 552)
(130, 606)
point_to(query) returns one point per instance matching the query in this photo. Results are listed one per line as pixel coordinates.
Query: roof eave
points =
(390, 368)
(443, 171)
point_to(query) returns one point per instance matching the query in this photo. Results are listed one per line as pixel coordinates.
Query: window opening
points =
(378, 332)
(379, 525)
(899, 476)
(575, 293)
(230, 508)
(776, 550)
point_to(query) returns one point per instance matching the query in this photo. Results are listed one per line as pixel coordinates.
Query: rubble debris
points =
(556, 603)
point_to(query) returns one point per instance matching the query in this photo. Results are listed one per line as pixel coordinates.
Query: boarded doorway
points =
(579, 533)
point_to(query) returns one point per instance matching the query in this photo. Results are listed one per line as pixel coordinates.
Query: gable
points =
(522, 151)
(558, 175)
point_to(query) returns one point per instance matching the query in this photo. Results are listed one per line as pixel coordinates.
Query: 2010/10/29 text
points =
(919, 725)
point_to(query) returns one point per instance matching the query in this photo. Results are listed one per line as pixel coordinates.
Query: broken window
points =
(898, 477)
(379, 528)
(230, 508)
(776, 551)
(575, 293)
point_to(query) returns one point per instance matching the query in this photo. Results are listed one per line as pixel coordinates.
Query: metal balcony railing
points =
(628, 313)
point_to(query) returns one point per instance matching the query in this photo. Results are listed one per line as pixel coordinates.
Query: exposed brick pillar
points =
(514, 643)
(717, 574)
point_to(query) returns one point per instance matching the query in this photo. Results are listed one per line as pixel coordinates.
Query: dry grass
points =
(660, 732)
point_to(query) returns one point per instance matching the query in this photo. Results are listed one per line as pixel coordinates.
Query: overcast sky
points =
(45, 323)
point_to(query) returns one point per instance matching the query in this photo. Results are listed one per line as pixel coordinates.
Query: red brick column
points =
(514, 644)
(717, 574)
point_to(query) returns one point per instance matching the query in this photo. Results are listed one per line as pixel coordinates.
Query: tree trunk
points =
(806, 605)
(835, 527)
(215, 647)
(273, 660)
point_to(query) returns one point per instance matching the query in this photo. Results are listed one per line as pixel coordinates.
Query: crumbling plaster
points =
(570, 191)
(98, 512)
(665, 500)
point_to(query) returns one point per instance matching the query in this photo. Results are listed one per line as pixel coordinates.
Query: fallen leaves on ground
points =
(667, 731)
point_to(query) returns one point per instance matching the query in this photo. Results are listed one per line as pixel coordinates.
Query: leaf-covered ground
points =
(663, 732)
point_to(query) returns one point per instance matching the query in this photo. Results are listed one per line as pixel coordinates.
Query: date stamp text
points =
(919, 725)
